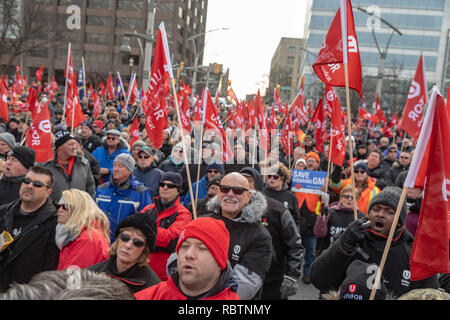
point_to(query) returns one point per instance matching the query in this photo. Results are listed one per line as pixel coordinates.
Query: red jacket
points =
(170, 223)
(167, 290)
(84, 251)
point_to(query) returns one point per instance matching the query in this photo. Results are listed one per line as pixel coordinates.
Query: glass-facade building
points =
(424, 27)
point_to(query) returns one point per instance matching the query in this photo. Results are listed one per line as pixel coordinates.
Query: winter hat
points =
(144, 222)
(147, 150)
(212, 233)
(99, 123)
(361, 165)
(314, 155)
(355, 285)
(216, 166)
(25, 155)
(174, 177)
(114, 132)
(125, 159)
(138, 143)
(390, 196)
(300, 160)
(62, 137)
(8, 138)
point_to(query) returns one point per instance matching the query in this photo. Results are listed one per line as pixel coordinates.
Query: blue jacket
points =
(202, 190)
(105, 160)
(150, 178)
(119, 203)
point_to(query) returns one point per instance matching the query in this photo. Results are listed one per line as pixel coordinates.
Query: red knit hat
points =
(99, 123)
(212, 233)
(314, 155)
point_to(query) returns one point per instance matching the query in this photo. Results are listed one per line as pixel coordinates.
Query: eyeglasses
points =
(360, 171)
(392, 151)
(273, 176)
(403, 157)
(37, 184)
(236, 190)
(213, 171)
(168, 185)
(143, 157)
(347, 196)
(111, 138)
(125, 237)
(64, 206)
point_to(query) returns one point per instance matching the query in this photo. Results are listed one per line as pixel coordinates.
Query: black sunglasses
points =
(125, 237)
(273, 176)
(64, 206)
(236, 190)
(143, 157)
(36, 184)
(213, 171)
(360, 171)
(168, 185)
(347, 196)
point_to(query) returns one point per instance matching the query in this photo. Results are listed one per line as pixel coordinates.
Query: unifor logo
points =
(406, 274)
(352, 288)
(237, 249)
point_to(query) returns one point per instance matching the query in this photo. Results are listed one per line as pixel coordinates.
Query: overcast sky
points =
(255, 29)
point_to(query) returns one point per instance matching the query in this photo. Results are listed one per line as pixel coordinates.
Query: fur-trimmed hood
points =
(251, 213)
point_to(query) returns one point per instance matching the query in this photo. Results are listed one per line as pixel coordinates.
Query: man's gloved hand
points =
(288, 287)
(353, 235)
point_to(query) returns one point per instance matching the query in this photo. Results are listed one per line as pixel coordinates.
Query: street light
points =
(196, 55)
(131, 64)
(383, 54)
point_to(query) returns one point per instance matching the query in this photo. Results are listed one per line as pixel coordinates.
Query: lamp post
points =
(131, 64)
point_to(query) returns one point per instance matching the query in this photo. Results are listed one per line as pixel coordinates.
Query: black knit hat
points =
(144, 222)
(62, 137)
(390, 196)
(357, 285)
(88, 124)
(174, 177)
(25, 155)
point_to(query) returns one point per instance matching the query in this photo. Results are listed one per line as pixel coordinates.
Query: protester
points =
(250, 247)
(402, 164)
(390, 158)
(123, 195)
(203, 271)
(213, 170)
(106, 153)
(69, 169)
(7, 143)
(90, 140)
(18, 161)
(146, 171)
(201, 205)
(171, 216)
(365, 240)
(82, 232)
(31, 222)
(128, 255)
(375, 170)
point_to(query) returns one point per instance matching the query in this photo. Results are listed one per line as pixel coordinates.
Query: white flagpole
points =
(65, 90)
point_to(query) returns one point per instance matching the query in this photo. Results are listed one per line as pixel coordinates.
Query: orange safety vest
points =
(313, 201)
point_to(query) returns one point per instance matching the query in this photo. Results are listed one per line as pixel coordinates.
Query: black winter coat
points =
(34, 250)
(287, 198)
(9, 189)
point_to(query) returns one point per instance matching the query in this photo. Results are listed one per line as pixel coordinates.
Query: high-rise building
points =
(423, 28)
(96, 30)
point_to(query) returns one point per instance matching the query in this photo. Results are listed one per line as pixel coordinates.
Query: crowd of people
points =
(161, 228)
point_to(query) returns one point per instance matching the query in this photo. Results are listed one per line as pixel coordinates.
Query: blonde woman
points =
(82, 233)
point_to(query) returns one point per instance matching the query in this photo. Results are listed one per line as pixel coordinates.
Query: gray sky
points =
(256, 27)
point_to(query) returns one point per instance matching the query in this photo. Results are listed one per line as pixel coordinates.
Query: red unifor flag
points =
(260, 114)
(185, 114)
(212, 121)
(4, 111)
(197, 109)
(277, 100)
(134, 130)
(338, 132)
(412, 117)
(364, 114)
(39, 134)
(74, 113)
(321, 126)
(378, 111)
(51, 88)
(330, 100)
(134, 92)
(431, 163)
(110, 87)
(96, 111)
(336, 52)
(286, 136)
(298, 109)
(251, 115)
(232, 95)
(40, 73)
(101, 90)
(272, 119)
(161, 73)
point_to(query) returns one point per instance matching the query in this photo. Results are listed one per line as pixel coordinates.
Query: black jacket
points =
(137, 278)
(34, 250)
(287, 198)
(329, 269)
(92, 143)
(9, 189)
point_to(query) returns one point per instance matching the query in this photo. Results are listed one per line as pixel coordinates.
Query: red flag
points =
(273, 119)
(212, 121)
(232, 95)
(251, 114)
(96, 105)
(336, 52)
(331, 101)
(338, 133)
(197, 109)
(260, 116)
(364, 114)
(185, 114)
(39, 73)
(412, 117)
(4, 111)
(430, 250)
(134, 130)
(379, 112)
(110, 87)
(277, 100)
(321, 128)
(298, 108)
(286, 136)
(134, 93)
(161, 73)
(74, 113)
(39, 134)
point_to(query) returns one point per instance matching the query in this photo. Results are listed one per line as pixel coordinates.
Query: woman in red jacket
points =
(82, 233)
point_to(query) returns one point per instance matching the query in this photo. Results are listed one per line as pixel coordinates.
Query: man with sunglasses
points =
(171, 217)
(108, 151)
(146, 170)
(30, 222)
(250, 249)
(402, 164)
(213, 170)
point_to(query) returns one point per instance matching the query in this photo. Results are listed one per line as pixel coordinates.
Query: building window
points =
(98, 38)
(291, 50)
(99, 21)
(96, 56)
(130, 5)
(290, 60)
(188, 20)
(103, 4)
(180, 13)
(66, 3)
(129, 23)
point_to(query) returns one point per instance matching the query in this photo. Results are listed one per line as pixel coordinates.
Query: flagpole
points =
(329, 159)
(84, 77)
(349, 133)
(200, 159)
(65, 89)
(388, 243)
(186, 162)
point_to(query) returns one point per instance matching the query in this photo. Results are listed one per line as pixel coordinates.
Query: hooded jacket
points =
(329, 269)
(250, 247)
(225, 289)
(34, 250)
